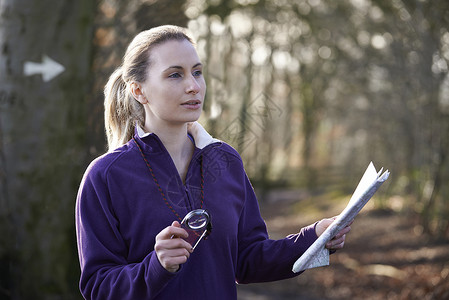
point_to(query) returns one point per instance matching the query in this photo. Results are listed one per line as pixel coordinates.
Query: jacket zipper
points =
(189, 200)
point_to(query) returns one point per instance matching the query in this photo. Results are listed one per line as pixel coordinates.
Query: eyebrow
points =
(180, 68)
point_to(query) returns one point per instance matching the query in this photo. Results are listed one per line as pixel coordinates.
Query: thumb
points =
(323, 224)
(177, 232)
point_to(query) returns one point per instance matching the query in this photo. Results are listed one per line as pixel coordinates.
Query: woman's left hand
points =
(338, 241)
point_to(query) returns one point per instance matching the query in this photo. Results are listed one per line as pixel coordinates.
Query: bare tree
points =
(371, 83)
(44, 72)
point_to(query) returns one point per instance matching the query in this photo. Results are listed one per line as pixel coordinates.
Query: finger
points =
(336, 247)
(172, 269)
(174, 230)
(177, 256)
(178, 231)
(340, 235)
(172, 252)
(170, 244)
(342, 232)
(322, 225)
(172, 259)
(178, 234)
(336, 243)
(329, 221)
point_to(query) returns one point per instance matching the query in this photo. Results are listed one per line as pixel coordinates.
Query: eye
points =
(197, 73)
(174, 75)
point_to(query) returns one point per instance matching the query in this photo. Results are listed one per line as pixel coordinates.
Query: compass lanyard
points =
(159, 186)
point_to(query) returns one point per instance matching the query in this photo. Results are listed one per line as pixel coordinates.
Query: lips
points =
(192, 102)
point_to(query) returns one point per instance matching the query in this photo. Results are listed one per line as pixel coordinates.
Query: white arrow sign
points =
(48, 68)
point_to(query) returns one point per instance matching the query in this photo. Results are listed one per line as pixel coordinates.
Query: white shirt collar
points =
(140, 132)
(200, 135)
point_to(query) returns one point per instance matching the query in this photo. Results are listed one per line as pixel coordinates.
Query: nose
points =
(193, 86)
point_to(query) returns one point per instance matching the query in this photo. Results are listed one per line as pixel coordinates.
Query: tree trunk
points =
(51, 127)
(42, 143)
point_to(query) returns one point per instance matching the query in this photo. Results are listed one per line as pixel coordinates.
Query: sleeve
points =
(261, 259)
(105, 272)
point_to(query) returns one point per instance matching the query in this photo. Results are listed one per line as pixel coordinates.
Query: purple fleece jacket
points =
(120, 210)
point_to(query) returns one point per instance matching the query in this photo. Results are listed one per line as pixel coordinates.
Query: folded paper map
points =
(317, 255)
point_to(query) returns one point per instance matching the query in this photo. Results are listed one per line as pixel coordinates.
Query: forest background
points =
(308, 91)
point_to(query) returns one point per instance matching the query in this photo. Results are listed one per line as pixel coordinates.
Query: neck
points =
(173, 137)
(177, 143)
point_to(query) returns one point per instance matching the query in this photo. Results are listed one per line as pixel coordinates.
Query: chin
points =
(194, 117)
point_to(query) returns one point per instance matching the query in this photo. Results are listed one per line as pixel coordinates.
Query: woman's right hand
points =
(171, 248)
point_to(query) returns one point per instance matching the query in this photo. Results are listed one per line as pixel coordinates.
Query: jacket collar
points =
(200, 136)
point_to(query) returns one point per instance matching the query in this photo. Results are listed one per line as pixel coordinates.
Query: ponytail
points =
(121, 112)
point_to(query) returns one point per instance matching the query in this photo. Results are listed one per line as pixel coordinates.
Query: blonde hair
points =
(122, 110)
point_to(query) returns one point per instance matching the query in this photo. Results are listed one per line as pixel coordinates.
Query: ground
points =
(386, 255)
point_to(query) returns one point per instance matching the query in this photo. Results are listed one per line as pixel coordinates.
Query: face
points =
(173, 92)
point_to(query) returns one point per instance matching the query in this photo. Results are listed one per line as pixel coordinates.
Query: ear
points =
(137, 92)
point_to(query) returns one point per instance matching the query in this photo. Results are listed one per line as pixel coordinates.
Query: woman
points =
(161, 165)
